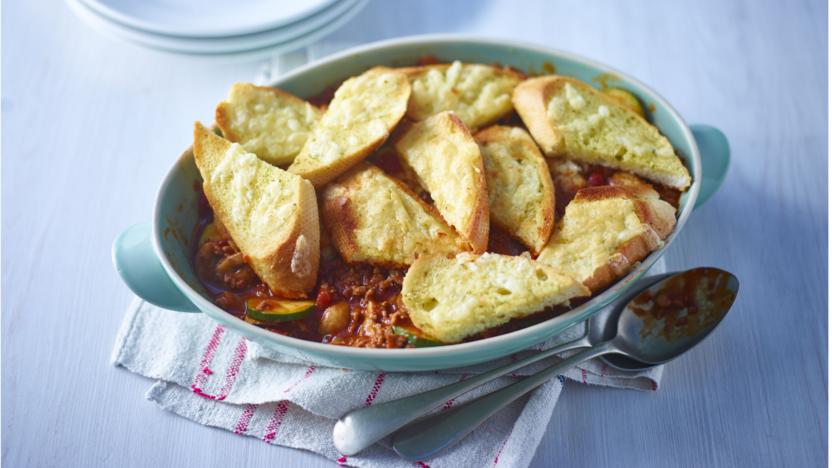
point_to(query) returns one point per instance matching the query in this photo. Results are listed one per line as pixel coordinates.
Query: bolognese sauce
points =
(360, 304)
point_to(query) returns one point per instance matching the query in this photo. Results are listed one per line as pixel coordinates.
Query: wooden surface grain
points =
(90, 125)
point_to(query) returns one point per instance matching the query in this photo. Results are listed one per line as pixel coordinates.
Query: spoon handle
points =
(430, 435)
(361, 428)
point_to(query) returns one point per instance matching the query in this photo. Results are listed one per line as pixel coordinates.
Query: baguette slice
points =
(521, 196)
(446, 161)
(360, 117)
(569, 118)
(453, 298)
(266, 121)
(637, 186)
(478, 94)
(270, 214)
(373, 218)
(605, 231)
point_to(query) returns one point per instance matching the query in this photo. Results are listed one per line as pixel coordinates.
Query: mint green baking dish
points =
(153, 258)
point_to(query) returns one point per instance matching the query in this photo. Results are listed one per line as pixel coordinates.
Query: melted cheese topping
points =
(260, 200)
(607, 133)
(453, 298)
(273, 126)
(300, 264)
(515, 188)
(437, 148)
(478, 94)
(590, 233)
(359, 114)
(391, 225)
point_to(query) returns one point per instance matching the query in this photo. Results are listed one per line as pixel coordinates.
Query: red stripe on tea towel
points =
(207, 357)
(242, 423)
(233, 368)
(499, 451)
(309, 371)
(374, 391)
(275, 422)
(230, 374)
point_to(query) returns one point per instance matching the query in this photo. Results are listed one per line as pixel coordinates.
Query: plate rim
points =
(214, 46)
(245, 54)
(153, 28)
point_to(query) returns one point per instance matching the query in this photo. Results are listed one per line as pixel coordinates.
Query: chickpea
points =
(334, 318)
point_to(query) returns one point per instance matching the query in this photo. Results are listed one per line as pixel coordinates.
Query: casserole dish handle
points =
(138, 266)
(716, 157)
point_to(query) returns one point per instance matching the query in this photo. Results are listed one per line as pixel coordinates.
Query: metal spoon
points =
(658, 325)
(361, 428)
(603, 325)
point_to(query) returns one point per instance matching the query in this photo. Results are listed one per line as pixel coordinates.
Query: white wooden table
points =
(90, 125)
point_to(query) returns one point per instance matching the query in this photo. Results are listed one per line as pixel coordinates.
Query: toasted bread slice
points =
(521, 197)
(478, 94)
(640, 188)
(358, 120)
(605, 231)
(453, 298)
(266, 121)
(373, 218)
(447, 163)
(626, 99)
(569, 118)
(270, 214)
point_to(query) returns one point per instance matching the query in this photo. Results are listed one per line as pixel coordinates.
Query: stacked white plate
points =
(218, 28)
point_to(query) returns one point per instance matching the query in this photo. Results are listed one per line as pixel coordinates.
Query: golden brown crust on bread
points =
(570, 119)
(650, 208)
(285, 254)
(372, 217)
(359, 119)
(222, 112)
(634, 249)
(530, 102)
(621, 263)
(453, 298)
(520, 189)
(602, 192)
(625, 179)
(447, 163)
(479, 94)
(637, 225)
(266, 121)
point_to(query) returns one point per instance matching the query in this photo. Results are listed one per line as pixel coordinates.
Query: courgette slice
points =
(415, 337)
(209, 233)
(278, 310)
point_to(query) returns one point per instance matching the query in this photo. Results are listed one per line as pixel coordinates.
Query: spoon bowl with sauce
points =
(672, 316)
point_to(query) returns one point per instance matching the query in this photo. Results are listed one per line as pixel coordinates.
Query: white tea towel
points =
(213, 376)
